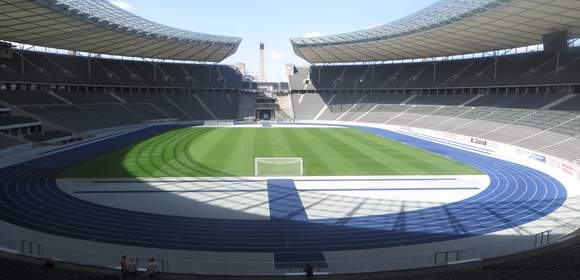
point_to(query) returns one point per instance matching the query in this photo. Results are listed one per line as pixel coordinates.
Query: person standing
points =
(309, 270)
(152, 269)
(124, 272)
(132, 269)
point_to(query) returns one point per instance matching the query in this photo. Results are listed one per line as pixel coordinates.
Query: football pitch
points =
(231, 152)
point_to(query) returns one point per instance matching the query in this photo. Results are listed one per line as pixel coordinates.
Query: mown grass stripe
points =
(415, 158)
(390, 159)
(239, 161)
(373, 161)
(313, 164)
(182, 163)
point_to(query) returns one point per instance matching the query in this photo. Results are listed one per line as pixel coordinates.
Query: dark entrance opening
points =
(264, 114)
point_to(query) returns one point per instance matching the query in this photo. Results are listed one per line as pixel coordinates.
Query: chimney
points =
(262, 63)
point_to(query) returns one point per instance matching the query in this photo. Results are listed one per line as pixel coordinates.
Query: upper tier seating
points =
(512, 70)
(56, 68)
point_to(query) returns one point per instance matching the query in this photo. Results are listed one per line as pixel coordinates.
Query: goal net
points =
(278, 167)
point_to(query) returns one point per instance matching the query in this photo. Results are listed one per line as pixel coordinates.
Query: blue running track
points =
(29, 197)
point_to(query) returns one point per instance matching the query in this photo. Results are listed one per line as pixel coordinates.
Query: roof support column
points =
(434, 70)
(89, 67)
(558, 63)
(22, 60)
(495, 68)
(209, 71)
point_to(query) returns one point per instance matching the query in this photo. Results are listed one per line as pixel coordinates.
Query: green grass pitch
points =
(215, 152)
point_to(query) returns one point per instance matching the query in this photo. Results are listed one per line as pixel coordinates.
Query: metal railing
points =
(30, 248)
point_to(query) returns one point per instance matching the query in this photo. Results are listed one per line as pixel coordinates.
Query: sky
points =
(273, 22)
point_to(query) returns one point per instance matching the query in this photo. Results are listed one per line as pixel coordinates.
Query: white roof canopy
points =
(97, 26)
(446, 28)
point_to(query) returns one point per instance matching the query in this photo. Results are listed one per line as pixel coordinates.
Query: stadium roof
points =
(97, 26)
(446, 28)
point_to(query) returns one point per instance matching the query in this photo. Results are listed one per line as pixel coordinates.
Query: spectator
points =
(132, 269)
(309, 272)
(152, 269)
(124, 272)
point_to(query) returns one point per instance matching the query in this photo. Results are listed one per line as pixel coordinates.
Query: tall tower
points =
(262, 62)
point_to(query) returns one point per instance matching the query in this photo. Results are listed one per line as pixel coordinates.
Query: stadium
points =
(441, 145)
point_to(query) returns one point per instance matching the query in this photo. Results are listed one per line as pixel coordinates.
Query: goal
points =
(278, 167)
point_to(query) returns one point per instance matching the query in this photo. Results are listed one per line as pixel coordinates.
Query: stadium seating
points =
(45, 136)
(516, 119)
(512, 70)
(80, 97)
(82, 111)
(69, 104)
(23, 97)
(66, 69)
(160, 101)
(11, 120)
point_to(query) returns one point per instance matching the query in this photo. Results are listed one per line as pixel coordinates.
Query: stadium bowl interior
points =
(417, 156)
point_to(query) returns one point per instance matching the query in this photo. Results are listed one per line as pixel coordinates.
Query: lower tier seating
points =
(536, 127)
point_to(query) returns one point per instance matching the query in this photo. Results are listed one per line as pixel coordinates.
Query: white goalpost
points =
(278, 167)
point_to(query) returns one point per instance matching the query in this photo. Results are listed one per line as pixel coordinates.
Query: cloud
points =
(276, 55)
(122, 5)
(312, 34)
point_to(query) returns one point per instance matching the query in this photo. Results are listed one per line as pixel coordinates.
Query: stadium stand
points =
(528, 101)
(80, 70)
(22, 97)
(57, 96)
(46, 136)
(160, 101)
(131, 92)
(520, 71)
(516, 119)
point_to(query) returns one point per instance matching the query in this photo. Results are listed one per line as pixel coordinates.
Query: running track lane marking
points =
(265, 180)
(286, 206)
(298, 191)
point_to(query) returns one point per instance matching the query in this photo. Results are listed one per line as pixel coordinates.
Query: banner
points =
(554, 162)
(567, 168)
(479, 141)
(537, 157)
(450, 135)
